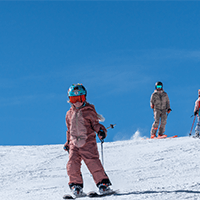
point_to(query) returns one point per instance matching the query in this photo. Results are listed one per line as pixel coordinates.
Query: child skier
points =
(160, 104)
(196, 112)
(82, 122)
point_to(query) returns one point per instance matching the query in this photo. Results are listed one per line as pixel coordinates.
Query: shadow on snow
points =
(156, 192)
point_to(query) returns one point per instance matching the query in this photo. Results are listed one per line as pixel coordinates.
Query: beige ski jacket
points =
(160, 100)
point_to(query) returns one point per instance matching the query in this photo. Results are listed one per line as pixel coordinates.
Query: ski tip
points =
(92, 194)
(68, 196)
(95, 194)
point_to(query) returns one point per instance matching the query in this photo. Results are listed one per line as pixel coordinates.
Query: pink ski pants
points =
(90, 155)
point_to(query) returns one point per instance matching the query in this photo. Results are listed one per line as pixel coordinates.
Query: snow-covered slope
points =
(141, 169)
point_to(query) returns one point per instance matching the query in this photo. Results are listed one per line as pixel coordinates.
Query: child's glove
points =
(169, 110)
(66, 146)
(101, 134)
(196, 112)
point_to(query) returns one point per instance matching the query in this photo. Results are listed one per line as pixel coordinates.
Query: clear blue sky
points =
(116, 49)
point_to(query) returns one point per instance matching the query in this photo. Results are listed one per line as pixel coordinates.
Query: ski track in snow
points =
(164, 169)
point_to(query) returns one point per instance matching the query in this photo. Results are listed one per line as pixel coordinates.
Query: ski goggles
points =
(159, 86)
(74, 99)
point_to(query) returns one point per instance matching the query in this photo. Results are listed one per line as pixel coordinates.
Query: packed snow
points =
(139, 168)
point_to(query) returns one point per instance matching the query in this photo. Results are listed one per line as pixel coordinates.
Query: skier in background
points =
(160, 104)
(196, 112)
(82, 122)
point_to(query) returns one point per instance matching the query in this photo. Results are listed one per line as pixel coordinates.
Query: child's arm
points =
(94, 119)
(152, 102)
(196, 107)
(66, 145)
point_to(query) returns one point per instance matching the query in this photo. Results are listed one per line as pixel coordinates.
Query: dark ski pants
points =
(160, 116)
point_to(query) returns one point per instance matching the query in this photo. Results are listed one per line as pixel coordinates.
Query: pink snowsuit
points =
(82, 123)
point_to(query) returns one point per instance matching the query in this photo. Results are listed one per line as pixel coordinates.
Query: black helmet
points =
(158, 85)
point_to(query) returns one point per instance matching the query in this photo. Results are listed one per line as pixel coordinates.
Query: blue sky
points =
(116, 49)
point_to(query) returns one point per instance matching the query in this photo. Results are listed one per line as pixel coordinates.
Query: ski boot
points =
(77, 191)
(104, 189)
(153, 136)
(162, 136)
(196, 135)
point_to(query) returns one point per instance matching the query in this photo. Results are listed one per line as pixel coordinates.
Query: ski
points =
(68, 196)
(96, 195)
(175, 136)
(91, 195)
(196, 137)
(159, 138)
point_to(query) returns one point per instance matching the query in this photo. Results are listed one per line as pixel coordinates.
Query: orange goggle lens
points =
(75, 99)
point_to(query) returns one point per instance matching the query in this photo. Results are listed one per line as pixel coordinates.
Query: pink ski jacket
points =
(82, 123)
(197, 105)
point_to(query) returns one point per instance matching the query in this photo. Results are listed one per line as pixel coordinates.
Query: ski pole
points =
(102, 141)
(111, 126)
(192, 125)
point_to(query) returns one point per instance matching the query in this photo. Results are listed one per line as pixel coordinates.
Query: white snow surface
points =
(140, 169)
